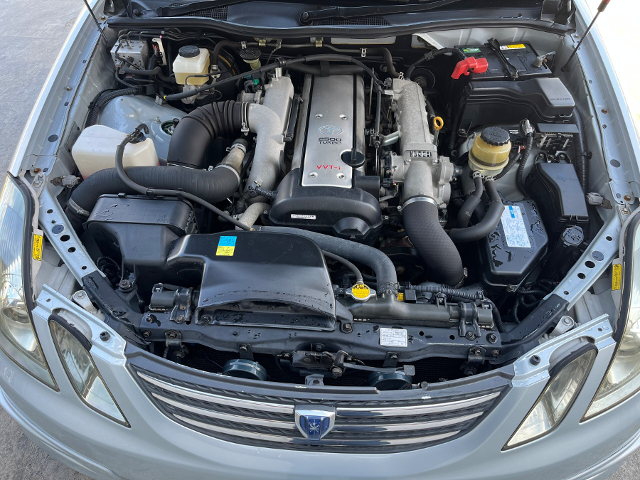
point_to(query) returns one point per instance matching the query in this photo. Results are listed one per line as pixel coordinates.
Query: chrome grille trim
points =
(279, 439)
(415, 409)
(212, 398)
(364, 423)
(403, 427)
(263, 422)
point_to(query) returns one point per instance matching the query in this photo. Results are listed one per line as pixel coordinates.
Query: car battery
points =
(512, 58)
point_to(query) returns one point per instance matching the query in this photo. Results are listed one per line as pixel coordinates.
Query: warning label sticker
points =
(37, 247)
(514, 230)
(361, 291)
(518, 46)
(616, 277)
(226, 246)
(393, 337)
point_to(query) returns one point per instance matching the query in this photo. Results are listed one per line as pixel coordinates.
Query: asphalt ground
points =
(31, 35)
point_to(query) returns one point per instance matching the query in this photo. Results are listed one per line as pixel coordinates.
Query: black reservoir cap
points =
(189, 51)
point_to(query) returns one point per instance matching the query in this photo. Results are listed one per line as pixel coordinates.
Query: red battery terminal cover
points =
(470, 65)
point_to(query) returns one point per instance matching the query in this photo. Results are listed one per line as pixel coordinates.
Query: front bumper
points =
(155, 447)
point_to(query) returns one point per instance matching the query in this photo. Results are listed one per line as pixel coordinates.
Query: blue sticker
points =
(227, 241)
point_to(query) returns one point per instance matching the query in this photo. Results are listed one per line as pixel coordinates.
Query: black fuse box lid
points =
(556, 188)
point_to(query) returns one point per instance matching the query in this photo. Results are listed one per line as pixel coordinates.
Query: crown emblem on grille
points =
(315, 422)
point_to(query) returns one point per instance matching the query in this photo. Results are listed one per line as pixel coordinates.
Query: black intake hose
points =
(386, 277)
(195, 131)
(470, 204)
(434, 246)
(212, 186)
(488, 222)
(581, 153)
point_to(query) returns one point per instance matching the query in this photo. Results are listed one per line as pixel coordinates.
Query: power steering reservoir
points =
(490, 151)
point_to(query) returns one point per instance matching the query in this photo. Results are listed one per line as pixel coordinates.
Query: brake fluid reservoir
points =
(490, 151)
(191, 60)
(95, 149)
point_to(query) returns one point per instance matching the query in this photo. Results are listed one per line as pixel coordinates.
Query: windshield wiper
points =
(310, 16)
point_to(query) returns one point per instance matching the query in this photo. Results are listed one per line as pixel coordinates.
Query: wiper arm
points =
(352, 12)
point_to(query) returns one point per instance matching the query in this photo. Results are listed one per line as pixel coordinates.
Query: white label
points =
(393, 337)
(514, 229)
(303, 217)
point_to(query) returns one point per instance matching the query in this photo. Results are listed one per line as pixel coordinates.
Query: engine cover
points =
(335, 125)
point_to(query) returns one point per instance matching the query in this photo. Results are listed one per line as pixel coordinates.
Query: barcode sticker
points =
(393, 337)
(515, 231)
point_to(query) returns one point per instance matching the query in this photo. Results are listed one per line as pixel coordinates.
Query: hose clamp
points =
(222, 165)
(419, 199)
(244, 118)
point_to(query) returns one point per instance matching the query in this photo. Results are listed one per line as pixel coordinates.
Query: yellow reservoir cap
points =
(490, 151)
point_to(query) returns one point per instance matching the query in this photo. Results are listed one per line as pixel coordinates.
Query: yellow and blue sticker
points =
(226, 246)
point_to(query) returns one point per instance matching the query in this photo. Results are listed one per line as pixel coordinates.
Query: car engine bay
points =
(331, 213)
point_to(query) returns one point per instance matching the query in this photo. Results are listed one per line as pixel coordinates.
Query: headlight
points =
(18, 339)
(556, 399)
(622, 379)
(73, 350)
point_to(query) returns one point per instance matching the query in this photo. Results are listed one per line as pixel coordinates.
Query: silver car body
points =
(155, 447)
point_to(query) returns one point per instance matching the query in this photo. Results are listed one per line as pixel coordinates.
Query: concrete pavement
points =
(31, 34)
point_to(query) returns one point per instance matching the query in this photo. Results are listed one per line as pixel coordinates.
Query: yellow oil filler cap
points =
(490, 151)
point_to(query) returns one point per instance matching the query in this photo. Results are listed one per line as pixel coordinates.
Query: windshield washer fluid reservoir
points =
(96, 147)
(191, 60)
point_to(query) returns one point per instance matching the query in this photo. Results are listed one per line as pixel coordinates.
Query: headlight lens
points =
(82, 372)
(622, 379)
(17, 336)
(555, 401)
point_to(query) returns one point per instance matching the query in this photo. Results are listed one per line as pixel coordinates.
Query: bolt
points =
(477, 351)
(105, 336)
(319, 347)
(347, 327)
(535, 360)
(149, 318)
(243, 348)
(180, 354)
(180, 319)
(305, 16)
(567, 320)
(206, 319)
(492, 337)
(146, 334)
(470, 335)
(495, 353)
(604, 110)
(124, 284)
(336, 371)
(172, 334)
(627, 198)
(80, 294)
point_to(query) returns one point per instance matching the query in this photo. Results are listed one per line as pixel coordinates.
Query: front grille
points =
(361, 426)
(369, 20)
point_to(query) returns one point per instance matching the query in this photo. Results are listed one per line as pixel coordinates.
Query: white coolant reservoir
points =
(95, 149)
(191, 60)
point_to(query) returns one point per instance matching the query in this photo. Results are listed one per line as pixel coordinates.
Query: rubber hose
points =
(212, 186)
(195, 131)
(497, 318)
(104, 98)
(434, 246)
(219, 46)
(430, 287)
(386, 276)
(346, 263)
(581, 153)
(330, 70)
(470, 204)
(487, 224)
(388, 60)
(431, 55)
(526, 153)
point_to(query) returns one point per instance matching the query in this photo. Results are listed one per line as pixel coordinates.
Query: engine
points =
(335, 215)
